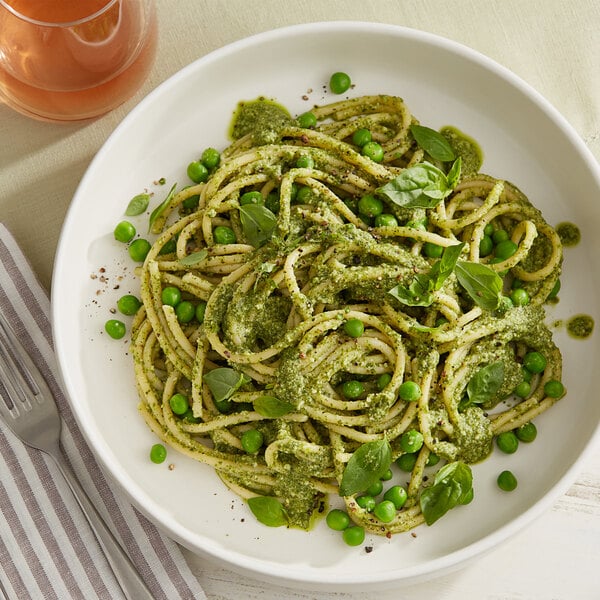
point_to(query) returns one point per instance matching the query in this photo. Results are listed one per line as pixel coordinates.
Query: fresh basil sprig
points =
(452, 486)
(482, 284)
(420, 291)
(191, 260)
(422, 185)
(224, 382)
(258, 223)
(433, 142)
(160, 209)
(268, 511)
(137, 205)
(272, 407)
(484, 384)
(366, 466)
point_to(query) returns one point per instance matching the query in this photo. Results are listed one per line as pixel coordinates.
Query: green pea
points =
(252, 441)
(353, 389)
(488, 230)
(499, 236)
(179, 404)
(169, 247)
(189, 417)
(251, 198)
(386, 220)
(224, 235)
(411, 441)
(124, 232)
(171, 296)
(337, 519)
(505, 249)
(519, 297)
(272, 202)
(200, 311)
(370, 206)
(210, 158)
(526, 432)
(418, 225)
(432, 459)
(303, 194)
(507, 481)
(507, 442)
(374, 489)
(354, 536)
(128, 304)
(523, 389)
(527, 375)
(366, 502)
(197, 172)
(383, 380)
(305, 162)
(185, 311)
(396, 494)
(307, 120)
(534, 362)
(406, 462)
(192, 202)
(387, 475)
(354, 328)
(138, 249)
(339, 82)
(409, 391)
(516, 284)
(554, 389)
(432, 250)
(374, 151)
(361, 137)
(158, 453)
(486, 245)
(115, 328)
(385, 511)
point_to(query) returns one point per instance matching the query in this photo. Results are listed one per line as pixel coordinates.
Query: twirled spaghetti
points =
(276, 310)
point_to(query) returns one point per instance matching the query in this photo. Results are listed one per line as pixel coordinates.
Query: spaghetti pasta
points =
(269, 351)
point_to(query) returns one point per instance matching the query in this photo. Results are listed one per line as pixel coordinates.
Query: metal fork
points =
(29, 409)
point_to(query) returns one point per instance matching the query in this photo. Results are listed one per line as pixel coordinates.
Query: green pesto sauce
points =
(465, 147)
(569, 234)
(580, 326)
(261, 117)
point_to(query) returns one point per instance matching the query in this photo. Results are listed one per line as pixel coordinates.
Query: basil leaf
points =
(258, 223)
(416, 294)
(269, 406)
(433, 142)
(444, 267)
(483, 284)
(420, 186)
(158, 211)
(453, 176)
(223, 382)
(452, 486)
(419, 292)
(484, 384)
(366, 466)
(268, 510)
(191, 260)
(137, 205)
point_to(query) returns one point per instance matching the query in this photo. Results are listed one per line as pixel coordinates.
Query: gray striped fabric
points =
(47, 550)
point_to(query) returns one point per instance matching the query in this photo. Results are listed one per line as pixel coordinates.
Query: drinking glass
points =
(70, 60)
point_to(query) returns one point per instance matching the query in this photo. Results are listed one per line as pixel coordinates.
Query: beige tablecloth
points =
(552, 44)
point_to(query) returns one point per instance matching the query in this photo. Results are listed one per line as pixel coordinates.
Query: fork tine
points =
(10, 344)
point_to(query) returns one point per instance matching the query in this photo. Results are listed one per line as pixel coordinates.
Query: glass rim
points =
(62, 24)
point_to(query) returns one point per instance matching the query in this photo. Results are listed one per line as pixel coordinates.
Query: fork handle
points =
(129, 579)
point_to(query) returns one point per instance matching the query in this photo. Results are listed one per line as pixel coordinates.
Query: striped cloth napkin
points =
(47, 549)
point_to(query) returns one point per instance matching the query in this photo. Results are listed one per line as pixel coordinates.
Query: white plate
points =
(524, 140)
